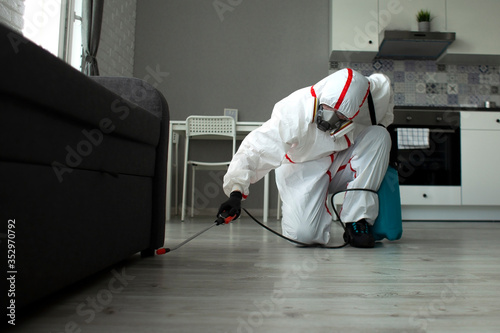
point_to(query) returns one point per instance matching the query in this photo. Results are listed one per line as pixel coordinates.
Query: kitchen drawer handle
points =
(498, 120)
(425, 195)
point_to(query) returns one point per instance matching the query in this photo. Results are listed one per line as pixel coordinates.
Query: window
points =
(55, 25)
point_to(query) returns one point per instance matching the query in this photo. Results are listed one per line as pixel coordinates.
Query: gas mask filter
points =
(328, 121)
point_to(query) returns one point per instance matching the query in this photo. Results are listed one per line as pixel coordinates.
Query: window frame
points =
(67, 20)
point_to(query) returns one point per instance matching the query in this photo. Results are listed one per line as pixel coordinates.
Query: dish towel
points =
(413, 138)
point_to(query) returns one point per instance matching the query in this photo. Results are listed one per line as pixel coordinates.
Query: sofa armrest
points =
(144, 95)
(137, 91)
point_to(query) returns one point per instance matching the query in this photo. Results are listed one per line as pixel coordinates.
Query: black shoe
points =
(359, 234)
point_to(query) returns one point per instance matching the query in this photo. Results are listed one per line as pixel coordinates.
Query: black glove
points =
(232, 206)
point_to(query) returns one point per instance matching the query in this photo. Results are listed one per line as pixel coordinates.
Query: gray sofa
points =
(82, 169)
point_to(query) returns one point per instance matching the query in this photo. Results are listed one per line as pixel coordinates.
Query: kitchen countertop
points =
(443, 108)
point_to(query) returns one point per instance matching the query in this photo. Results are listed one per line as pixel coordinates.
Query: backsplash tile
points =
(425, 83)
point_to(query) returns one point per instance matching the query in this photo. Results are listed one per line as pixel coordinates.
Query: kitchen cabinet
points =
(475, 24)
(354, 30)
(430, 195)
(357, 26)
(401, 14)
(480, 137)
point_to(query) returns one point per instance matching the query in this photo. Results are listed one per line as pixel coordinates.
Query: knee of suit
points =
(378, 137)
(379, 133)
(386, 142)
(306, 234)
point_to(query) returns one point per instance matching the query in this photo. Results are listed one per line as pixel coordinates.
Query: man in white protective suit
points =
(320, 140)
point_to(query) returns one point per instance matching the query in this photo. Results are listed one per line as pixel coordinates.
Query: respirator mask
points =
(329, 121)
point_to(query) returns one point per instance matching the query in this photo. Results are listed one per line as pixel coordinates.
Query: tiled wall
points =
(425, 83)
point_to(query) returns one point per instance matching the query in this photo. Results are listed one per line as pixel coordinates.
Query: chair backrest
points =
(211, 126)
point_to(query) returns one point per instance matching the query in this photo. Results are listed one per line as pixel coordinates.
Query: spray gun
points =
(223, 218)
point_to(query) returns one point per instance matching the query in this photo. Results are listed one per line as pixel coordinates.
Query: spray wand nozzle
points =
(223, 218)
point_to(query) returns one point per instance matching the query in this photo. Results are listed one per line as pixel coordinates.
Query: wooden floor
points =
(440, 277)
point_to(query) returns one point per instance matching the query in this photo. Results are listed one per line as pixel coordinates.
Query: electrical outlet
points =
(232, 113)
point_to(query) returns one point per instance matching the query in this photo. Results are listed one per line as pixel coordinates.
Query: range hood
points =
(398, 44)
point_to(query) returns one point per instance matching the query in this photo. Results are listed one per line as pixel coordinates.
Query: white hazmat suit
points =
(311, 163)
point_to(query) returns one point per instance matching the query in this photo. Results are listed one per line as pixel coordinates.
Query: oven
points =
(426, 152)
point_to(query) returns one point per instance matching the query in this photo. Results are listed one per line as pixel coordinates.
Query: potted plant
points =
(424, 20)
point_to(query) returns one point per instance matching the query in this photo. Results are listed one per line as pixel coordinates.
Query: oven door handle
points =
(437, 130)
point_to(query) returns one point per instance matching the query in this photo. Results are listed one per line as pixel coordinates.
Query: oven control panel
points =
(426, 118)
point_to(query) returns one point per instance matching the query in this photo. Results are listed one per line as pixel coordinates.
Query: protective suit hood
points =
(345, 90)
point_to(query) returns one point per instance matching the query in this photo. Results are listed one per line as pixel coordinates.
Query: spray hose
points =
(225, 219)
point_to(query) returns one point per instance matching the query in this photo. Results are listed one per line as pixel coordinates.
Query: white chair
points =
(205, 127)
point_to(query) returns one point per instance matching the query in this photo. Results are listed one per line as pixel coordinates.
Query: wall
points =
(205, 56)
(116, 48)
(425, 83)
(210, 55)
(11, 13)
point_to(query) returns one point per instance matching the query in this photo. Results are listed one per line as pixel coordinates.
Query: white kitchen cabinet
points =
(476, 25)
(357, 26)
(430, 195)
(401, 14)
(480, 155)
(354, 30)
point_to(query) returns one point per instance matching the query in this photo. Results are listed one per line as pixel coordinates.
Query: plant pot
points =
(424, 26)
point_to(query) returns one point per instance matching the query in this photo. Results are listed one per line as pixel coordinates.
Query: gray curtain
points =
(91, 34)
